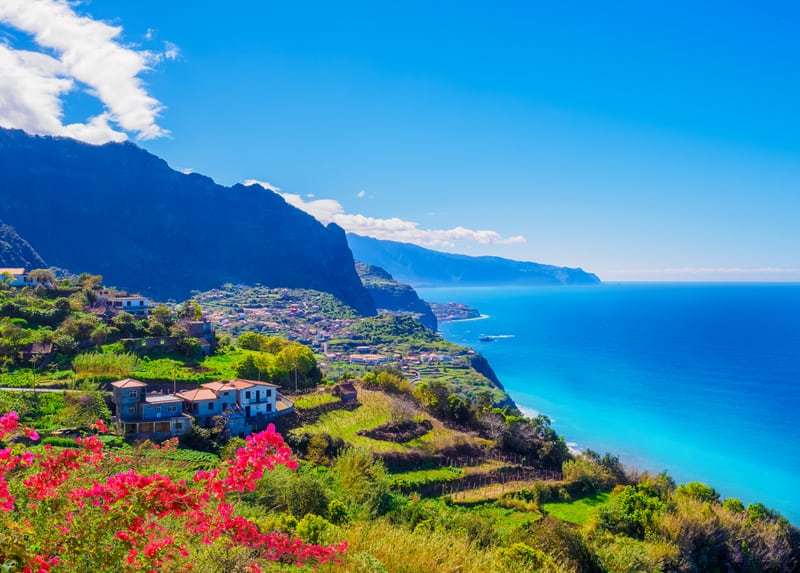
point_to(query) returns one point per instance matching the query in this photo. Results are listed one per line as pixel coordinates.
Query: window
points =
(158, 409)
(178, 425)
(129, 303)
(211, 405)
(247, 394)
(269, 392)
(172, 409)
(133, 394)
(131, 410)
(141, 303)
(269, 407)
(258, 395)
(196, 407)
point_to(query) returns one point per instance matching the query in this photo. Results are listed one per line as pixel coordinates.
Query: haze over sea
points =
(700, 379)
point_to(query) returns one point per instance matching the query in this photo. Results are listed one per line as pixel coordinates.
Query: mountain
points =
(122, 212)
(16, 251)
(391, 295)
(424, 267)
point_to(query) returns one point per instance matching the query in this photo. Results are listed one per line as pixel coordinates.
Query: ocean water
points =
(700, 380)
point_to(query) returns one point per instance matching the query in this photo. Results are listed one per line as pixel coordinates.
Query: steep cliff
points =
(16, 251)
(391, 295)
(122, 212)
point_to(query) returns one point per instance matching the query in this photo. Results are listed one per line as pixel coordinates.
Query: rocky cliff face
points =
(391, 295)
(418, 266)
(16, 251)
(122, 212)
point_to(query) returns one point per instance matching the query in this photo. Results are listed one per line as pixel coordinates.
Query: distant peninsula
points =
(421, 267)
(448, 311)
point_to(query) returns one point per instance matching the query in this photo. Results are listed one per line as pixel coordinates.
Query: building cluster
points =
(244, 406)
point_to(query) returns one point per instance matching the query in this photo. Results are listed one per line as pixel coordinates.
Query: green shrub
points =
(312, 528)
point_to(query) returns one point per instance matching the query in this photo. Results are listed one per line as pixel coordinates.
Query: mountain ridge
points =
(16, 251)
(124, 213)
(419, 267)
(391, 295)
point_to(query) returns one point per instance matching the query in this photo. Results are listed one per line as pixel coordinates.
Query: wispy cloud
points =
(77, 52)
(393, 229)
(264, 184)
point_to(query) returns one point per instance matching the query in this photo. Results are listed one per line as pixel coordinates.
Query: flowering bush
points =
(91, 510)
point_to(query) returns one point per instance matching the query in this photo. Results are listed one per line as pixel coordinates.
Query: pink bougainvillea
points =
(83, 505)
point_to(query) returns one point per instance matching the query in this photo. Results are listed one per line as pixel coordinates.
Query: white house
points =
(256, 398)
(19, 278)
(136, 305)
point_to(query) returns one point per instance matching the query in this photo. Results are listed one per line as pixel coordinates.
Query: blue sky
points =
(639, 140)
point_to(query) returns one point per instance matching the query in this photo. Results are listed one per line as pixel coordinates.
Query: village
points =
(237, 406)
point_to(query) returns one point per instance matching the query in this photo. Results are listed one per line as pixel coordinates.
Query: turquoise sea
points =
(701, 380)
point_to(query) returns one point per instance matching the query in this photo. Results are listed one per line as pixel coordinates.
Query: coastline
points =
(615, 368)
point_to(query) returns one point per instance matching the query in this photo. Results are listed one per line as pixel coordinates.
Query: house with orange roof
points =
(257, 399)
(244, 405)
(154, 415)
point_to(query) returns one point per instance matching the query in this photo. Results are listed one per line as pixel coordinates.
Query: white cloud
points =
(86, 54)
(361, 194)
(324, 210)
(393, 229)
(171, 51)
(264, 184)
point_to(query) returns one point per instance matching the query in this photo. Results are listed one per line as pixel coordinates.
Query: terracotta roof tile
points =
(198, 394)
(128, 383)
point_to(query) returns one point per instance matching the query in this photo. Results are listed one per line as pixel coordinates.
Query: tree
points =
(161, 314)
(191, 310)
(699, 491)
(125, 322)
(250, 341)
(89, 281)
(43, 277)
(298, 360)
(631, 511)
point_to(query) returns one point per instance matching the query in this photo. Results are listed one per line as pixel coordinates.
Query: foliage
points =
(83, 409)
(306, 494)
(105, 364)
(363, 481)
(592, 474)
(520, 557)
(85, 509)
(698, 491)
(393, 328)
(631, 511)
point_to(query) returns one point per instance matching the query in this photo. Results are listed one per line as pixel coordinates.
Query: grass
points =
(506, 520)
(311, 401)
(377, 409)
(23, 378)
(423, 477)
(578, 511)
(402, 551)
